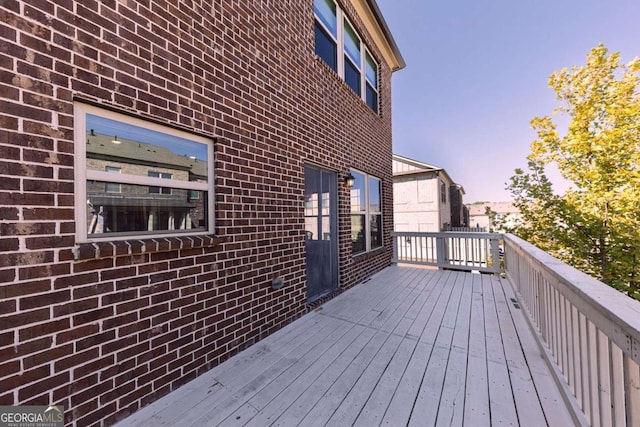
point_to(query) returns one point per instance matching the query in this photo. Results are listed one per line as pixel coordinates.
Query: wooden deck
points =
(411, 346)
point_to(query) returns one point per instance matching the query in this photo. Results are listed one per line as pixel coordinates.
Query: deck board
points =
(411, 346)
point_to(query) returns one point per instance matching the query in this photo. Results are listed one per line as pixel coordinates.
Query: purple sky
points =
(477, 74)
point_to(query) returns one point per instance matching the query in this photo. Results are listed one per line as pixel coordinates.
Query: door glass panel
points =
(325, 206)
(311, 206)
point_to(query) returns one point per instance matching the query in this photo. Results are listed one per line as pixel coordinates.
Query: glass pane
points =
(352, 44)
(112, 187)
(358, 201)
(326, 228)
(358, 241)
(312, 204)
(374, 195)
(352, 76)
(372, 98)
(136, 150)
(159, 190)
(325, 47)
(372, 71)
(137, 209)
(376, 231)
(326, 11)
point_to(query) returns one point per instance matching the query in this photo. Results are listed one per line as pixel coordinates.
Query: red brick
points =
(92, 316)
(26, 258)
(31, 273)
(75, 280)
(76, 359)
(21, 319)
(13, 382)
(7, 245)
(76, 333)
(47, 356)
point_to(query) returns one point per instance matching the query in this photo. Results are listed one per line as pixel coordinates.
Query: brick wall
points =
(104, 329)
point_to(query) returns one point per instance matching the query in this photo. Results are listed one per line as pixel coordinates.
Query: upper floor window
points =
(340, 46)
(443, 192)
(159, 190)
(366, 213)
(138, 179)
(112, 187)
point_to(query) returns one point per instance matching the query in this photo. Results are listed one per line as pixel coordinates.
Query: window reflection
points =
(137, 154)
(136, 210)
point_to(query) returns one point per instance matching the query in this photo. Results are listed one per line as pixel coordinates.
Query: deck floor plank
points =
(501, 400)
(410, 346)
(476, 404)
(527, 404)
(547, 391)
(441, 323)
(451, 407)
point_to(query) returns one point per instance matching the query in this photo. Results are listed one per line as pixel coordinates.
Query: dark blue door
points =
(321, 227)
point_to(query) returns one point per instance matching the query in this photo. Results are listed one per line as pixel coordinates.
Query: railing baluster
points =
(603, 379)
(616, 386)
(584, 366)
(632, 391)
(594, 362)
(575, 353)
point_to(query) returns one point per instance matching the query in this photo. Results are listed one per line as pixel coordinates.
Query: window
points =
(352, 58)
(112, 187)
(326, 32)
(340, 46)
(371, 91)
(366, 213)
(443, 192)
(139, 179)
(159, 190)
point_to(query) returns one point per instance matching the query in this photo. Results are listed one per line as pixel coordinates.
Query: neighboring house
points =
(422, 196)
(459, 212)
(505, 211)
(174, 186)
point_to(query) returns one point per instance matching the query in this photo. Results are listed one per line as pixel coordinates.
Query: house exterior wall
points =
(416, 203)
(106, 328)
(505, 212)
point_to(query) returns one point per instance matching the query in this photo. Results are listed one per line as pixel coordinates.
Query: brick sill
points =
(98, 250)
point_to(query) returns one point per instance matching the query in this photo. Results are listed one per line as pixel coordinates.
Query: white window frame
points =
(368, 213)
(82, 175)
(341, 17)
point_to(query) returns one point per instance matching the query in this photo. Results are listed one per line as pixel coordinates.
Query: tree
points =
(595, 225)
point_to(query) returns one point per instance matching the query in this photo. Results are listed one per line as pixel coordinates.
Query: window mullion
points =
(363, 71)
(340, 47)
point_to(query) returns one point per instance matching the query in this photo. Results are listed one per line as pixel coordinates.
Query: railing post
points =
(495, 254)
(441, 256)
(394, 244)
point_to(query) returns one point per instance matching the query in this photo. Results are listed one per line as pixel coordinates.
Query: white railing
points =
(467, 229)
(459, 251)
(590, 331)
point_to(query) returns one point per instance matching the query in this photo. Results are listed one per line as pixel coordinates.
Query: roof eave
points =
(390, 50)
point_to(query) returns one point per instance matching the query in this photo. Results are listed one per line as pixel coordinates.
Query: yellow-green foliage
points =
(595, 225)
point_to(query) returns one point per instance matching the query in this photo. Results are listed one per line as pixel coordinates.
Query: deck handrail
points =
(590, 330)
(453, 250)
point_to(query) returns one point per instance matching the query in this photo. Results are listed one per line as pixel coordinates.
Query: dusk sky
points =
(477, 74)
